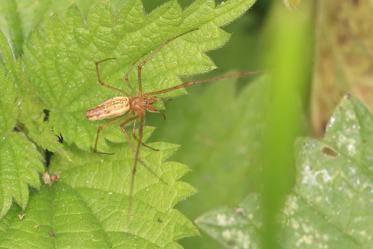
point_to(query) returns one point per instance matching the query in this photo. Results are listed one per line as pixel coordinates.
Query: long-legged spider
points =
(134, 108)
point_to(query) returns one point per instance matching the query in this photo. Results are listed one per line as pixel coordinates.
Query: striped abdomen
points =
(111, 108)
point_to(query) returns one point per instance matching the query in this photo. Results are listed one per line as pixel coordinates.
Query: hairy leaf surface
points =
(20, 162)
(61, 55)
(88, 206)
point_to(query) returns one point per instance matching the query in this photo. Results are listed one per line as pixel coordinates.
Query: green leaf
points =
(330, 206)
(7, 55)
(88, 207)
(13, 25)
(20, 164)
(91, 198)
(227, 11)
(234, 227)
(18, 18)
(8, 103)
(61, 54)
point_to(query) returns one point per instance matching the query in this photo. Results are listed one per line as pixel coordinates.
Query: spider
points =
(134, 108)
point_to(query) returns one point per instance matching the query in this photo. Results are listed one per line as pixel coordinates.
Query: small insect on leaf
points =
(21, 216)
(49, 179)
(329, 151)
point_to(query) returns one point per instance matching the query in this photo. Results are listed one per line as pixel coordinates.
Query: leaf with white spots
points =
(234, 228)
(331, 204)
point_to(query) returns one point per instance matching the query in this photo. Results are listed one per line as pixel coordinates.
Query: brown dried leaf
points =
(344, 53)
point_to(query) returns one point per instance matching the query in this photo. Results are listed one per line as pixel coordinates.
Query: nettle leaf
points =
(8, 103)
(20, 164)
(234, 228)
(88, 206)
(19, 17)
(331, 204)
(61, 54)
(20, 161)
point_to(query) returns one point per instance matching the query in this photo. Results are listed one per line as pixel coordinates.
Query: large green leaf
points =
(331, 204)
(88, 206)
(8, 103)
(91, 199)
(19, 17)
(20, 162)
(60, 56)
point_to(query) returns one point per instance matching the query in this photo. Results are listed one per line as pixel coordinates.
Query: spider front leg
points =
(134, 166)
(103, 83)
(124, 131)
(126, 134)
(126, 79)
(144, 62)
(130, 144)
(138, 140)
(98, 132)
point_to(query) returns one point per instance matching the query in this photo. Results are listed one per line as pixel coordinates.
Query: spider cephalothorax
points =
(140, 104)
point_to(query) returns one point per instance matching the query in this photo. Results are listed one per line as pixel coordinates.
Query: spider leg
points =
(103, 83)
(149, 58)
(163, 115)
(126, 79)
(126, 134)
(134, 167)
(159, 112)
(98, 132)
(137, 139)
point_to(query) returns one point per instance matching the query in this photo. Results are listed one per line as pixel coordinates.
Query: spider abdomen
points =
(111, 108)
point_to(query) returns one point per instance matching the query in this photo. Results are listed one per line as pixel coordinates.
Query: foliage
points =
(91, 201)
(49, 80)
(330, 205)
(56, 193)
(64, 74)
